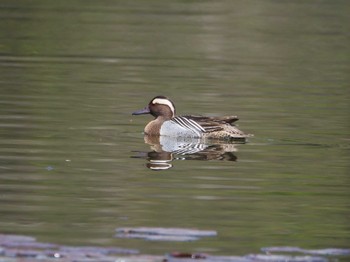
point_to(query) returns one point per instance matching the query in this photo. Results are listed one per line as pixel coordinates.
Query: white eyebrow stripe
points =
(162, 101)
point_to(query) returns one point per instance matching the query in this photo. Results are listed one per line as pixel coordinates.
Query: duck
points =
(167, 123)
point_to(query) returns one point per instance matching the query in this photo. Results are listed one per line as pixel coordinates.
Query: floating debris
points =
(164, 234)
(49, 168)
(188, 255)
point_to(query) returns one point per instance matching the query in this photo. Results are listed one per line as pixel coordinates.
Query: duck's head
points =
(160, 106)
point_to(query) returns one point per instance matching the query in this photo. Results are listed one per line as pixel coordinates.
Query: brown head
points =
(160, 106)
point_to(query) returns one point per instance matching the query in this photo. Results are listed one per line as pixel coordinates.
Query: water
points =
(73, 161)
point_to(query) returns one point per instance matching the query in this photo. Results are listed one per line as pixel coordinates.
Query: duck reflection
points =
(167, 149)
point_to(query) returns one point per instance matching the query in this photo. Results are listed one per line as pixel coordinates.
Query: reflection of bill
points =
(167, 149)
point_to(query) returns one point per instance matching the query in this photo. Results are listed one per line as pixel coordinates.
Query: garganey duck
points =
(166, 123)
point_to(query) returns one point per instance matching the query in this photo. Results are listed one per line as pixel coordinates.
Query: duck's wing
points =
(211, 124)
(188, 124)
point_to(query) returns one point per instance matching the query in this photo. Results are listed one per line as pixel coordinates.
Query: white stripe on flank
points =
(189, 124)
(162, 101)
(197, 125)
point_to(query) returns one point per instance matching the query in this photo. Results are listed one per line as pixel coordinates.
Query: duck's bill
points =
(142, 111)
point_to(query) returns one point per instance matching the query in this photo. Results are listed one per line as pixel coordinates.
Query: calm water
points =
(73, 161)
